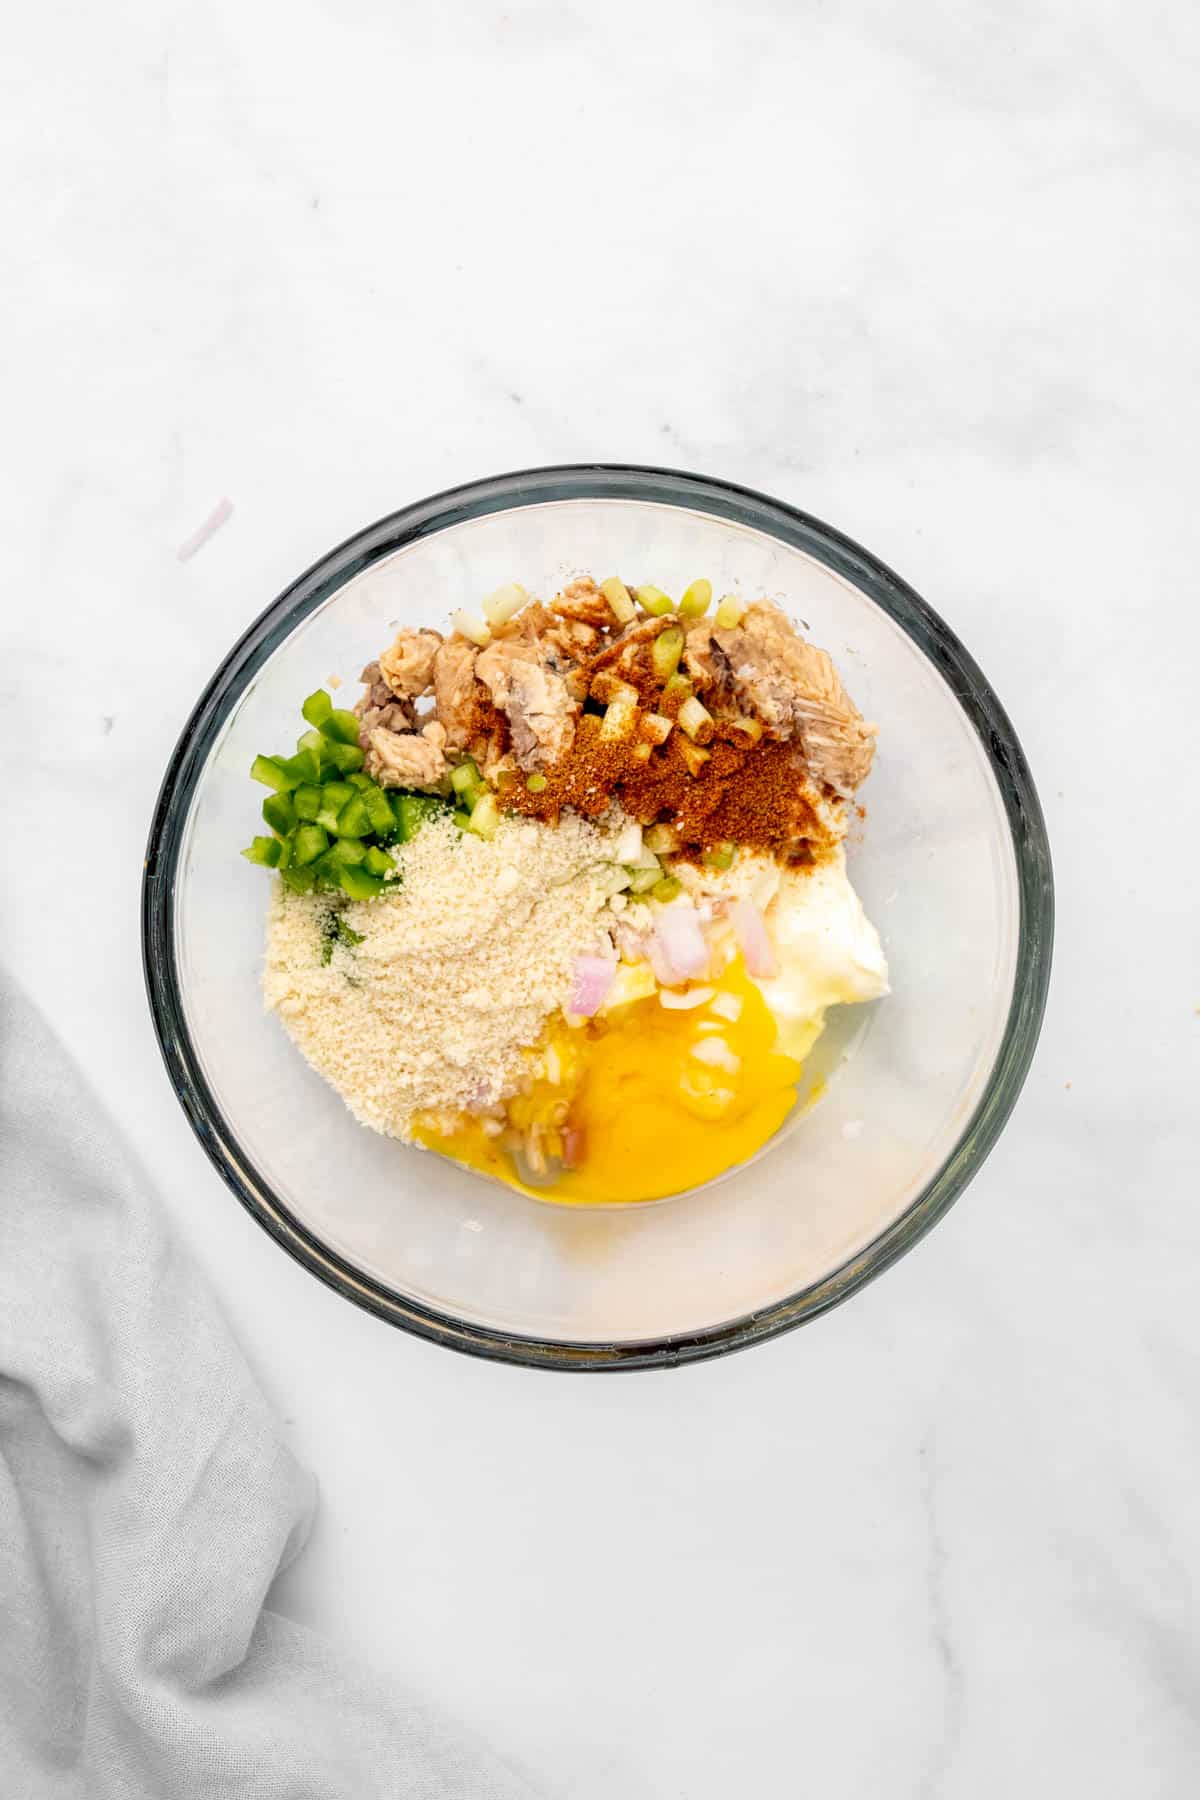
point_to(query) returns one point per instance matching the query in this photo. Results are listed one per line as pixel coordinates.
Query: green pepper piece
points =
(309, 842)
(411, 811)
(353, 821)
(462, 819)
(285, 852)
(359, 780)
(304, 766)
(341, 726)
(311, 740)
(334, 795)
(345, 757)
(377, 862)
(270, 770)
(301, 881)
(379, 810)
(359, 885)
(347, 850)
(317, 707)
(264, 851)
(307, 801)
(280, 813)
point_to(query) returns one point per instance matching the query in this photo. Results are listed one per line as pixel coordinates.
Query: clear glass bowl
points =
(952, 864)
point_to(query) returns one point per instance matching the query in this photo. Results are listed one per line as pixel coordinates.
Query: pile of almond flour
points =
(454, 975)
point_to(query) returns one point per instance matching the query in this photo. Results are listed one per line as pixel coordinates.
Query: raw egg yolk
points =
(659, 1099)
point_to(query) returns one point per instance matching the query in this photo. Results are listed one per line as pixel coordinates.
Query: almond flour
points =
(455, 975)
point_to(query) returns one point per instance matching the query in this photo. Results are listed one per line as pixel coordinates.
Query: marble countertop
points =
(931, 274)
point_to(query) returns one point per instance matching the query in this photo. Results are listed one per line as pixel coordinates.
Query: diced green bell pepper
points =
(264, 851)
(379, 810)
(317, 707)
(341, 726)
(359, 885)
(359, 780)
(345, 851)
(353, 820)
(301, 881)
(412, 810)
(346, 758)
(307, 801)
(280, 813)
(377, 862)
(309, 842)
(304, 766)
(334, 795)
(270, 770)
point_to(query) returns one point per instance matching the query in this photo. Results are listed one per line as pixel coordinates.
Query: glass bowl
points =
(952, 864)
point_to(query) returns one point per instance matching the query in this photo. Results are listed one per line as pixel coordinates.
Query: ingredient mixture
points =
(564, 897)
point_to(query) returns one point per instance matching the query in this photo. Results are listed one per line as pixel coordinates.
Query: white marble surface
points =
(931, 273)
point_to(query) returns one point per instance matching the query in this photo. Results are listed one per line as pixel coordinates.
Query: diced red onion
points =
(679, 945)
(591, 979)
(750, 929)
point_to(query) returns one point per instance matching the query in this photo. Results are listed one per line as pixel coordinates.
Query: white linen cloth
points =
(147, 1500)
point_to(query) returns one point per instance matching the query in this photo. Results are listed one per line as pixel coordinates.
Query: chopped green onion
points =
(263, 850)
(485, 816)
(344, 757)
(667, 888)
(696, 600)
(358, 884)
(721, 857)
(617, 595)
(662, 839)
(309, 842)
(280, 813)
(667, 650)
(694, 717)
(677, 688)
(317, 707)
(654, 601)
(535, 783)
(500, 606)
(464, 775)
(377, 862)
(271, 772)
(730, 612)
(340, 726)
(353, 820)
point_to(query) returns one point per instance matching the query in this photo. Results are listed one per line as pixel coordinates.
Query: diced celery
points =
(642, 880)
(485, 816)
(696, 600)
(317, 707)
(667, 888)
(271, 771)
(353, 820)
(359, 885)
(462, 819)
(341, 726)
(309, 842)
(346, 758)
(377, 862)
(379, 810)
(280, 812)
(654, 601)
(667, 650)
(264, 851)
(307, 801)
(535, 783)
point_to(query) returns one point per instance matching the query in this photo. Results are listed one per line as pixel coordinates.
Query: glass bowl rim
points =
(720, 499)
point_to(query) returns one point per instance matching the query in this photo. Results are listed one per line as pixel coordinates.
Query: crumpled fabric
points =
(147, 1501)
